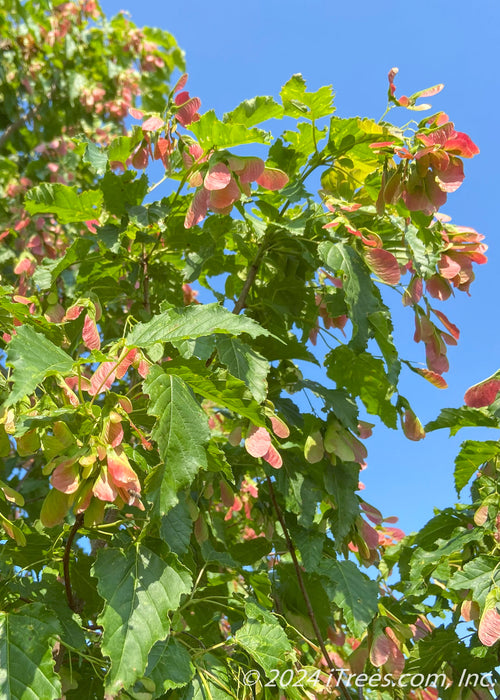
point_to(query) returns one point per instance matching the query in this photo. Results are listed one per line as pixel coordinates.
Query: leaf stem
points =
(303, 590)
(67, 583)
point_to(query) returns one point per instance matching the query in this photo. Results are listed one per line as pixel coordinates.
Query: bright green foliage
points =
(179, 455)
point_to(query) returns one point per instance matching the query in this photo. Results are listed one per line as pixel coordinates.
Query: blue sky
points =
(237, 50)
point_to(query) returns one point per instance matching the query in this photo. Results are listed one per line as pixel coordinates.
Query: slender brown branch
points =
(305, 595)
(252, 274)
(145, 282)
(67, 583)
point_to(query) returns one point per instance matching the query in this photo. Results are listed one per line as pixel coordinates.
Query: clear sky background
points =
(236, 50)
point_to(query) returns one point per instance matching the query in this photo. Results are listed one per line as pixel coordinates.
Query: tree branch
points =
(252, 274)
(67, 584)
(305, 595)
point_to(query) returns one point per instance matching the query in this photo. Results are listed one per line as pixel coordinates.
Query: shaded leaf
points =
(64, 202)
(140, 589)
(26, 663)
(181, 431)
(32, 358)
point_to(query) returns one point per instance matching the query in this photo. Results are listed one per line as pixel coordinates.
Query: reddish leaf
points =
(372, 513)
(103, 378)
(103, 488)
(380, 650)
(273, 458)
(221, 199)
(433, 378)
(65, 476)
(258, 442)
(272, 179)
(412, 427)
(126, 362)
(188, 108)
(280, 429)
(152, 124)
(489, 627)
(384, 264)
(90, 334)
(447, 324)
(218, 177)
(180, 83)
(136, 113)
(484, 393)
(198, 208)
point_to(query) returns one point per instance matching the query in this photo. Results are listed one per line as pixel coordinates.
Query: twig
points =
(305, 595)
(145, 282)
(67, 584)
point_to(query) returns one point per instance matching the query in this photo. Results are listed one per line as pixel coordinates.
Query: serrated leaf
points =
(26, 662)
(264, 639)
(32, 358)
(363, 375)
(169, 666)
(245, 364)
(465, 417)
(480, 575)
(211, 132)
(140, 589)
(361, 295)
(176, 527)
(221, 388)
(47, 273)
(64, 203)
(251, 112)
(181, 432)
(354, 593)
(472, 454)
(194, 321)
(342, 482)
(96, 157)
(300, 103)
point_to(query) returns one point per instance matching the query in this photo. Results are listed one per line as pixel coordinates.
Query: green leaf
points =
(26, 662)
(354, 593)
(425, 246)
(480, 575)
(438, 528)
(181, 432)
(362, 297)
(211, 132)
(363, 375)
(254, 111)
(264, 639)
(299, 103)
(250, 551)
(169, 666)
(176, 527)
(140, 589)
(465, 417)
(217, 386)
(32, 358)
(342, 481)
(245, 364)
(64, 202)
(96, 157)
(46, 274)
(212, 681)
(194, 321)
(123, 191)
(472, 454)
